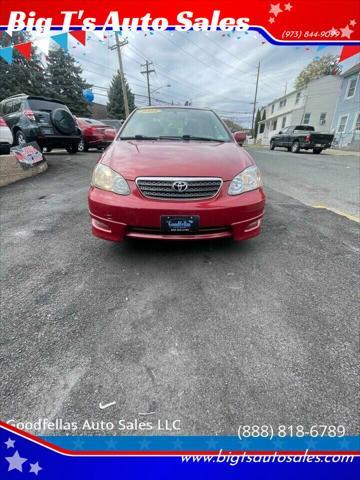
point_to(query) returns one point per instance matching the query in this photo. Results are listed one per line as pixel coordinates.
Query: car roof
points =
(24, 96)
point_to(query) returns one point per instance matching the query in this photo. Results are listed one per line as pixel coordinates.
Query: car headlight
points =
(106, 179)
(248, 179)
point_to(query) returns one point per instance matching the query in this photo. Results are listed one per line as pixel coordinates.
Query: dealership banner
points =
(293, 22)
(289, 21)
(23, 455)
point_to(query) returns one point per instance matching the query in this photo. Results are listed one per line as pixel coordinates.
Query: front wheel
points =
(317, 150)
(295, 148)
(72, 148)
(272, 145)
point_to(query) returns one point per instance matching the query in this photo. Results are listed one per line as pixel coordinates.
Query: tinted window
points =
(304, 127)
(44, 105)
(7, 107)
(175, 122)
(16, 106)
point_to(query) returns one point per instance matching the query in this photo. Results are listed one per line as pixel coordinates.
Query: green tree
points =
(22, 75)
(65, 81)
(326, 65)
(234, 127)
(115, 104)
(257, 120)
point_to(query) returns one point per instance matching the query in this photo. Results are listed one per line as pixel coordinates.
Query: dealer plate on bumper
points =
(179, 224)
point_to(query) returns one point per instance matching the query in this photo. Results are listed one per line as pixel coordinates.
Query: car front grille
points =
(179, 188)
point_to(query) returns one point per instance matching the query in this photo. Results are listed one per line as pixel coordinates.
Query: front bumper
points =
(115, 217)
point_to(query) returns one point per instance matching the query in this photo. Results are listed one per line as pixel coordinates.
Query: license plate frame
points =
(180, 224)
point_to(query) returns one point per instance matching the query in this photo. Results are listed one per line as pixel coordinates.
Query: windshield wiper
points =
(139, 137)
(189, 137)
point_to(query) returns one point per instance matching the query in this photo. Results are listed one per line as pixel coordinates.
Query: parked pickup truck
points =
(301, 137)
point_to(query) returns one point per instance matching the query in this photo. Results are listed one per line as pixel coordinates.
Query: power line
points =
(147, 71)
(118, 46)
(255, 98)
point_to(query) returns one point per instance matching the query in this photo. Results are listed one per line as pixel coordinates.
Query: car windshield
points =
(175, 123)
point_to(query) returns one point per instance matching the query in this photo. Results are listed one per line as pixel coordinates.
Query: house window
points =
(262, 127)
(322, 118)
(283, 122)
(306, 118)
(298, 95)
(274, 124)
(357, 123)
(351, 87)
(342, 124)
(272, 107)
(282, 103)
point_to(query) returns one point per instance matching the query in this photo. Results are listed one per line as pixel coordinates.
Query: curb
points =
(11, 171)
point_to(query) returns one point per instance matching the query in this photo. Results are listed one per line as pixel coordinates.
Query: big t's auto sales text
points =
(19, 20)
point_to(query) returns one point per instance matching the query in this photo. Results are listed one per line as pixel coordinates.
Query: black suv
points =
(43, 120)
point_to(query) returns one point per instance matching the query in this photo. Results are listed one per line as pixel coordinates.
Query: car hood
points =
(162, 158)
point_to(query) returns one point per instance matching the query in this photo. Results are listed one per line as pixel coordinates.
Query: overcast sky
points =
(210, 69)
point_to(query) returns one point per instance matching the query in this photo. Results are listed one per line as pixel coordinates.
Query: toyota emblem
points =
(180, 186)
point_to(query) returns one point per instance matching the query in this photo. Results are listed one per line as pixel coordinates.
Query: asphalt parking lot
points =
(215, 334)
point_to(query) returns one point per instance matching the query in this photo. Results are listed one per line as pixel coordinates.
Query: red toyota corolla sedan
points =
(94, 134)
(176, 173)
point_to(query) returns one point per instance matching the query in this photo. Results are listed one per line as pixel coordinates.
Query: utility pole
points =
(147, 71)
(121, 70)
(255, 99)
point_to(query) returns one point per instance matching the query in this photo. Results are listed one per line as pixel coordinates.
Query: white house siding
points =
(319, 97)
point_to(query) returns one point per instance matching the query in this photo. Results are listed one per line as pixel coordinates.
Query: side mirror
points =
(240, 137)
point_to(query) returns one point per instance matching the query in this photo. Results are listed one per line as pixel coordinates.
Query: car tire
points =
(72, 149)
(82, 147)
(317, 150)
(48, 149)
(288, 149)
(20, 138)
(272, 145)
(295, 147)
